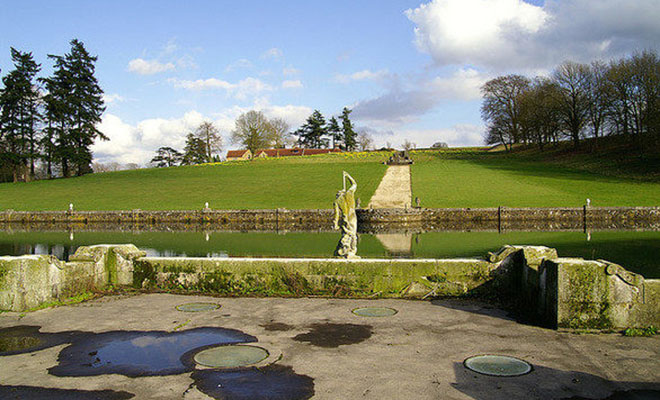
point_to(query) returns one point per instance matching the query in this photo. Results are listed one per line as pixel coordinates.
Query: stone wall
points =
(501, 218)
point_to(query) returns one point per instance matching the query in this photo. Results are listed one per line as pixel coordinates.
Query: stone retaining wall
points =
(428, 219)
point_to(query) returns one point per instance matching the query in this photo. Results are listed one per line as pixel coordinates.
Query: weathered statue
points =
(346, 219)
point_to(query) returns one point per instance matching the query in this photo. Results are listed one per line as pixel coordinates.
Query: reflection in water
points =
(636, 251)
(135, 353)
(34, 392)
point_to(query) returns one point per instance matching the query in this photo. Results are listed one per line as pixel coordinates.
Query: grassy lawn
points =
(481, 179)
(294, 183)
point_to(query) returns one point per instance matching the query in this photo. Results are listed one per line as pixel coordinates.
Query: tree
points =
(75, 102)
(439, 145)
(335, 132)
(279, 135)
(349, 135)
(539, 112)
(501, 107)
(194, 152)
(166, 157)
(209, 134)
(408, 145)
(19, 116)
(365, 141)
(253, 131)
(572, 80)
(312, 134)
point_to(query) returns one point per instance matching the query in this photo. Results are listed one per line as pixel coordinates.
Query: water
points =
(636, 251)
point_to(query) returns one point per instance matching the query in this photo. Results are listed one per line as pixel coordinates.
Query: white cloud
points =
(403, 104)
(242, 63)
(148, 67)
(109, 98)
(292, 84)
(501, 34)
(273, 53)
(241, 90)
(362, 75)
(287, 71)
(456, 136)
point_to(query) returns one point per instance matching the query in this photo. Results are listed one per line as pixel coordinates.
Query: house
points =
(237, 155)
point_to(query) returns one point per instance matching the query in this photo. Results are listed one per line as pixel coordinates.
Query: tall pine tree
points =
(312, 134)
(19, 117)
(349, 135)
(335, 133)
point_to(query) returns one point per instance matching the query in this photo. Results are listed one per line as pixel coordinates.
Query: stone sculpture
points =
(346, 219)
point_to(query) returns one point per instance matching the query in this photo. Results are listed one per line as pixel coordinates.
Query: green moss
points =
(111, 266)
(648, 331)
(64, 302)
(4, 271)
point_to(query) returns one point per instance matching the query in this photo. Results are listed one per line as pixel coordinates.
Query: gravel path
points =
(394, 190)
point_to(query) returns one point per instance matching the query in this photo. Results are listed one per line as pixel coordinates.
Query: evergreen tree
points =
(335, 132)
(166, 157)
(312, 134)
(19, 116)
(195, 150)
(349, 135)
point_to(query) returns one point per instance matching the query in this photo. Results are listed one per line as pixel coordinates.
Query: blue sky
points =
(409, 69)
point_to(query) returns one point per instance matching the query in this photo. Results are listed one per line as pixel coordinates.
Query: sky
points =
(409, 70)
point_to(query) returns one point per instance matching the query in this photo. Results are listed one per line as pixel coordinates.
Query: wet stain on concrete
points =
(335, 335)
(277, 326)
(140, 353)
(636, 394)
(27, 338)
(33, 392)
(275, 382)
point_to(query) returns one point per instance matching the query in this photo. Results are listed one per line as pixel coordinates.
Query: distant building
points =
(270, 153)
(237, 155)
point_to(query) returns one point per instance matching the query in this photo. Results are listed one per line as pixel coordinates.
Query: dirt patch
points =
(33, 392)
(277, 326)
(334, 335)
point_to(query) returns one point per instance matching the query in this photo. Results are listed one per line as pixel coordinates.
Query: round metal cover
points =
(230, 356)
(374, 311)
(197, 307)
(498, 365)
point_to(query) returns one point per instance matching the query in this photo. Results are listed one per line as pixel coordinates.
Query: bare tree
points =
(210, 135)
(501, 107)
(365, 141)
(253, 131)
(279, 135)
(573, 82)
(408, 145)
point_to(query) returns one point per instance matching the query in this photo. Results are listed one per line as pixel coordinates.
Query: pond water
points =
(636, 251)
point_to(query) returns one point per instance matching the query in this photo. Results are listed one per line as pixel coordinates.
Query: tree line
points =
(50, 121)
(254, 131)
(575, 102)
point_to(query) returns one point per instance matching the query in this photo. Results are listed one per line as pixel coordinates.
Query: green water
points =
(636, 251)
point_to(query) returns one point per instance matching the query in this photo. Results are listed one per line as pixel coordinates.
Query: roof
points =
(236, 153)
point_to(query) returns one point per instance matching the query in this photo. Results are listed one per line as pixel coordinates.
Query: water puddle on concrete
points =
(496, 365)
(27, 338)
(636, 394)
(231, 356)
(197, 307)
(335, 335)
(138, 353)
(275, 382)
(374, 312)
(33, 392)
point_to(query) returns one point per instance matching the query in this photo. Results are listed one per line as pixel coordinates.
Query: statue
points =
(346, 219)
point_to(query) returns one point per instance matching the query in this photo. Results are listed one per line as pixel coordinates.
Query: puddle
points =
(495, 365)
(275, 382)
(374, 312)
(335, 335)
(197, 307)
(138, 353)
(638, 394)
(277, 326)
(230, 356)
(33, 392)
(27, 338)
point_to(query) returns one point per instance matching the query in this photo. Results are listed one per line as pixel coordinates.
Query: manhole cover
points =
(196, 307)
(498, 365)
(231, 356)
(374, 312)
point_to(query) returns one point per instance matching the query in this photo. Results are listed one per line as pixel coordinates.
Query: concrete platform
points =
(334, 354)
